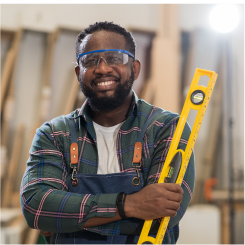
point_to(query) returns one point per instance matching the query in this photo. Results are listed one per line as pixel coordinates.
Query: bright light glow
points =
(224, 17)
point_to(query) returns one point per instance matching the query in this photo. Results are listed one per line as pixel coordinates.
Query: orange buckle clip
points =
(137, 160)
(137, 153)
(74, 161)
(74, 154)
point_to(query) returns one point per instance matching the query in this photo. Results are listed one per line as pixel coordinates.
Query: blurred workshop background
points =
(37, 74)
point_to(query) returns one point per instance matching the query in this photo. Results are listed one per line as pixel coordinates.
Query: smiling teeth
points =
(105, 83)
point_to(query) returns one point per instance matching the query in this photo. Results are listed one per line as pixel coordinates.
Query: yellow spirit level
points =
(197, 99)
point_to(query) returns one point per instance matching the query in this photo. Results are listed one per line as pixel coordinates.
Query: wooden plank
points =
(225, 208)
(28, 78)
(8, 215)
(7, 37)
(3, 163)
(225, 224)
(8, 113)
(143, 41)
(63, 69)
(80, 99)
(32, 236)
(164, 79)
(8, 66)
(46, 88)
(29, 74)
(205, 53)
(15, 199)
(7, 42)
(8, 109)
(6, 33)
(6, 119)
(148, 91)
(12, 167)
(72, 97)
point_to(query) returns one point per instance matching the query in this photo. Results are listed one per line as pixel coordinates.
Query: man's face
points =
(106, 87)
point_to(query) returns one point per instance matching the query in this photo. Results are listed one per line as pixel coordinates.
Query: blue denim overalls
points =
(104, 183)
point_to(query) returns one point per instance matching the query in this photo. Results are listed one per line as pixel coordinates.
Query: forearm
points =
(95, 221)
(152, 202)
(60, 211)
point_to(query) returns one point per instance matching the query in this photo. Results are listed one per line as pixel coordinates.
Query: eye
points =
(90, 61)
(114, 59)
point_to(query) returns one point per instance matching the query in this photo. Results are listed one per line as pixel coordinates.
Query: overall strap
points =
(72, 128)
(73, 147)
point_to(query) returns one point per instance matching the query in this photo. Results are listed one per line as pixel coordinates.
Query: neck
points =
(113, 117)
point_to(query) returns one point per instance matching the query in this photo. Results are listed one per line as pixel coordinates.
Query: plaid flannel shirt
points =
(48, 205)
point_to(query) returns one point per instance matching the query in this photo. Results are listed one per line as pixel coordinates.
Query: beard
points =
(108, 103)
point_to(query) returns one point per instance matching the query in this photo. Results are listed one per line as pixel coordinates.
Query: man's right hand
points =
(45, 233)
(154, 201)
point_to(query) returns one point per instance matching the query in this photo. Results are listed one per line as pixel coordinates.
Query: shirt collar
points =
(85, 111)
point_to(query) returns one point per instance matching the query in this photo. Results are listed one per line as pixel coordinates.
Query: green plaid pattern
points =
(46, 203)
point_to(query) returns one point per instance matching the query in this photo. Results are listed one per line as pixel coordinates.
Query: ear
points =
(77, 70)
(136, 68)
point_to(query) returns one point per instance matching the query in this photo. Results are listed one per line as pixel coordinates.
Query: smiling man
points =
(88, 180)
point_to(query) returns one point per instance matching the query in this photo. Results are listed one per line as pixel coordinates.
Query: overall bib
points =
(103, 183)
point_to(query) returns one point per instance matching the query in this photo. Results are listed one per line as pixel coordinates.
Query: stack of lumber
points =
(205, 52)
(9, 50)
(38, 82)
(163, 87)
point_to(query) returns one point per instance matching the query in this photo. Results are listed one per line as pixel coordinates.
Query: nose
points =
(102, 66)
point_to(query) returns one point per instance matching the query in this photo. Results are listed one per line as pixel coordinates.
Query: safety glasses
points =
(112, 57)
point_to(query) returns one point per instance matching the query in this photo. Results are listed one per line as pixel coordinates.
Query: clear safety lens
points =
(111, 58)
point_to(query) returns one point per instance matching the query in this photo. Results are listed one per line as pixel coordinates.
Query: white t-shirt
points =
(107, 150)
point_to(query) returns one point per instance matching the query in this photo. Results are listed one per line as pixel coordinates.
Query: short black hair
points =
(107, 26)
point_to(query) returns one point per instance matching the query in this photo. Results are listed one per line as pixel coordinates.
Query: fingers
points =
(173, 187)
(170, 191)
(176, 197)
(173, 205)
(45, 233)
(170, 213)
(171, 208)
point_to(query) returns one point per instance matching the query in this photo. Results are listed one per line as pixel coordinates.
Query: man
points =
(104, 197)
